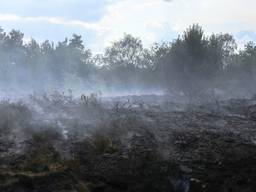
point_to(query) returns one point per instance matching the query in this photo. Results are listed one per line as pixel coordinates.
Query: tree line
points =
(194, 64)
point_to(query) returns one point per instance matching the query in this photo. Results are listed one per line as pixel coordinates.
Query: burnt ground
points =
(56, 144)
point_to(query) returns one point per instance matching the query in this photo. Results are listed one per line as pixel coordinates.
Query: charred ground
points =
(58, 143)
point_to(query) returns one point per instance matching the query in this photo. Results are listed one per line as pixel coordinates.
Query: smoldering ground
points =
(89, 144)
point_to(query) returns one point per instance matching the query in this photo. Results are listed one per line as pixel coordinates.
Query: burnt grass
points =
(57, 143)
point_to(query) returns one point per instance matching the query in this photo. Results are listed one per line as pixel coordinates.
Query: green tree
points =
(194, 62)
(126, 53)
(125, 60)
(76, 42)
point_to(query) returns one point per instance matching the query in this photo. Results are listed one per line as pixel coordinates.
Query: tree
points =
(32, 49)
(33, 63)
(13, 45)
(248, 58)
(2, 36)
(47, 47)
(185, 62)
(126, 53)
(80, 58)
(76, 42)
(14, 39)
(195, 61)
(4, 65)
(124, 59)
(248, 66)
(155, 59)
(220, 49)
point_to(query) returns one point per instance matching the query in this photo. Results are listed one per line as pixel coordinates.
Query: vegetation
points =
(133, 149)
(193, 64)
(55, 142)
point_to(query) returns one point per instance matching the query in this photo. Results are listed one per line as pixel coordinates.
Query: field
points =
(57, 143)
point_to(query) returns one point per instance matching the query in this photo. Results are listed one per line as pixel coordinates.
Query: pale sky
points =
(101, 22)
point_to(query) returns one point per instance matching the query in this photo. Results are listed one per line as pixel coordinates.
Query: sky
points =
(101, 22)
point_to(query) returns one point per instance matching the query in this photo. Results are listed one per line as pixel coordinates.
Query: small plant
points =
(42, 159)
(92, 99)
(40, 154)
(102, 144)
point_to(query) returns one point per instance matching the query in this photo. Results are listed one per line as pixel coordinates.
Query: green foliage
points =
(126, 52)
(193, 64)
(194, 61)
